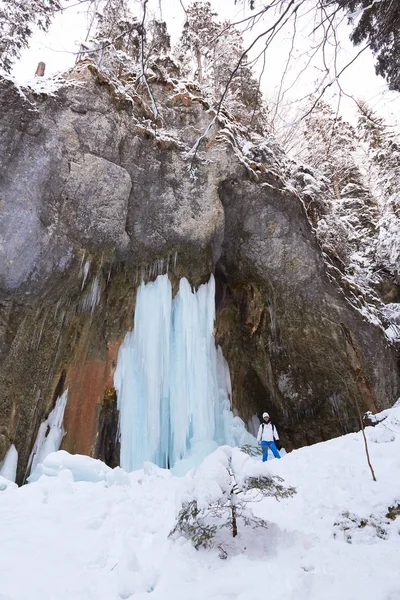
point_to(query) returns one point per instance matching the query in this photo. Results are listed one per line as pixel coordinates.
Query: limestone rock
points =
(95, 201)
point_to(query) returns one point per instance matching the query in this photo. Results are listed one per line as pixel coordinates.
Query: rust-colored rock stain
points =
(87, 380)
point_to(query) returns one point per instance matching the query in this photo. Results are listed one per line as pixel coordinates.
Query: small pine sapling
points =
(251, 450)
(270, 486)
(191, 524)
(231, 511)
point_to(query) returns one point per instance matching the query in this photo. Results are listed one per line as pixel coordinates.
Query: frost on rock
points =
(172, 383)
(50, 434)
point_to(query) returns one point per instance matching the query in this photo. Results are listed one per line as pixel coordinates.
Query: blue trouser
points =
(265, 446)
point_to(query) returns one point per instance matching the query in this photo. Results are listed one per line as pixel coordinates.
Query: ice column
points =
(172, 383)
(50, 434)
(8, 468)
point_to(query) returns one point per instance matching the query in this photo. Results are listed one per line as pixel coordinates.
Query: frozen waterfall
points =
(172, 383)
(50, 435)
(8, 468)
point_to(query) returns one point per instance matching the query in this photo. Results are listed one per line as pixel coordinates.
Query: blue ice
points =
(173, 384)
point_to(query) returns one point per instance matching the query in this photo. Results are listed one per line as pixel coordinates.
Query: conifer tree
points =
(213, 54)
(331, 148)
(383, 150)
(341, 203)
(198, 39)
(379, 25)
(230, 512)
(17, 20)
(117, 39)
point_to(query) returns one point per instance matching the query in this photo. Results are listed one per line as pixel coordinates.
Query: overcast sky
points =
(57, 47)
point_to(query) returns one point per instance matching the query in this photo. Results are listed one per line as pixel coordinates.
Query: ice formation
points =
(80, 468)
(8, 468)
(172, 383)
(50, 434)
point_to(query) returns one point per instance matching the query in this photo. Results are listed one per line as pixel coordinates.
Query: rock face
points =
(302, 350)
(95, 203)
(92, 200)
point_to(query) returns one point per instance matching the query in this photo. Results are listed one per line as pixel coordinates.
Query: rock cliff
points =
(94, 197)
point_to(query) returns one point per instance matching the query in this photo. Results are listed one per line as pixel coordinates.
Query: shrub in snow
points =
(269, 486)
(193, 525)
(364, 529)
(220, 508)
(393, 512)
(251, 450)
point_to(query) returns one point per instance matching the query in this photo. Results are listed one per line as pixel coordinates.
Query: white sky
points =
(56, 48)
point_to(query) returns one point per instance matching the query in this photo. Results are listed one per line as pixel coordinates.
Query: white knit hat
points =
(265, 415)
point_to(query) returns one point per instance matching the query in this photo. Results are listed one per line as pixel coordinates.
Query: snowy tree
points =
(383, 149)
(331, 148)
(213, 54)
(330, 143)
(125, 48)
(232, 76)
(375, 22)
(198, 40)
(158, 56)
(379, 25)
(204, 523)
(159, 40)
(117, 40)
(17, 20)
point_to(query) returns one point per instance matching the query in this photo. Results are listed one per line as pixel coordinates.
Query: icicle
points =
(173, 384)
(50, 434)
(8, 468)
(85, 273)
(92, 296)
(39, 339)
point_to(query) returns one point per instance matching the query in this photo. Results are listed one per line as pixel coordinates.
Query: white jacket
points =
(267, 433)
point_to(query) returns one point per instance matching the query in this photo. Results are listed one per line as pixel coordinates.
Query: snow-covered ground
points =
(63, 539)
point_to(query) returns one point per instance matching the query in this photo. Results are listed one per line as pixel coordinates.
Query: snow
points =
(79, 467)
(107, 538)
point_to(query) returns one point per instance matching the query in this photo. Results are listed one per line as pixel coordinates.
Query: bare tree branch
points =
(333, 81)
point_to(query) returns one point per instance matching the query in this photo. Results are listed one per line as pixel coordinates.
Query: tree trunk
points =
(234, 522)
(199, 67)
(365, 441)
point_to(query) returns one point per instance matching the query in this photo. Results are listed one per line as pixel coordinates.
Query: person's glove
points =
(278, 444)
